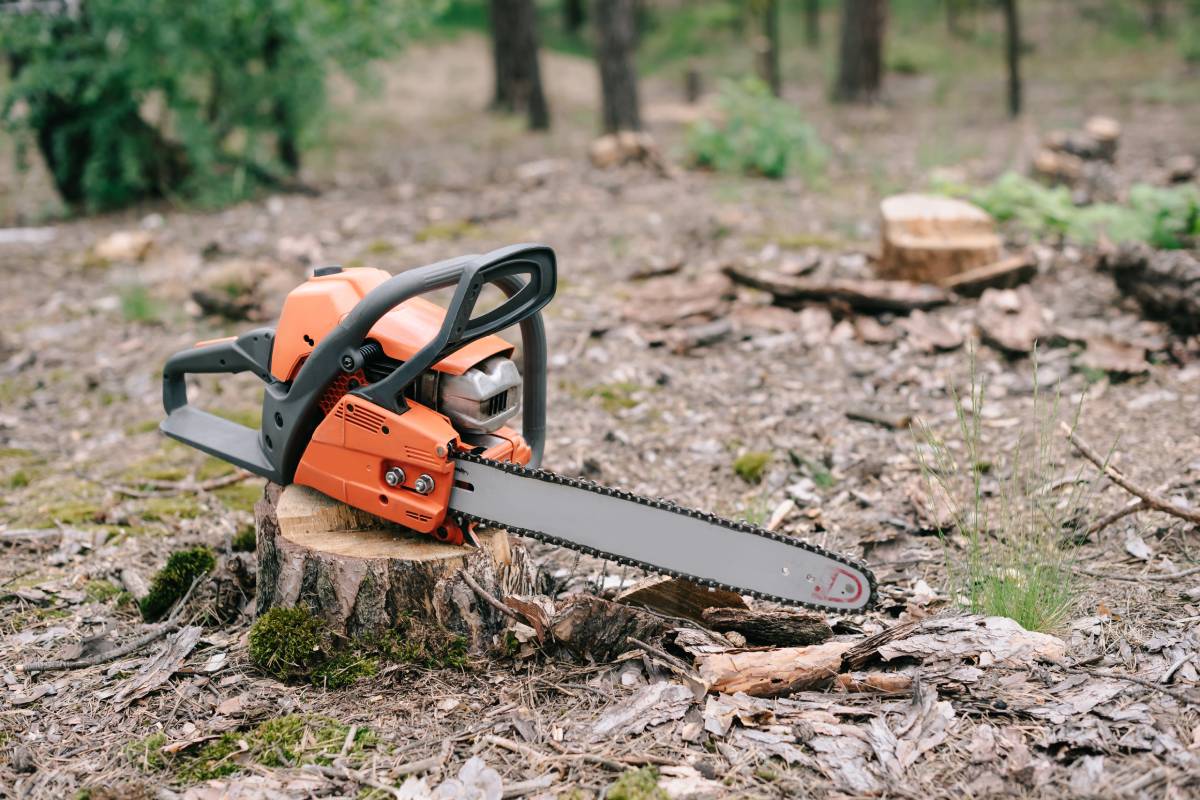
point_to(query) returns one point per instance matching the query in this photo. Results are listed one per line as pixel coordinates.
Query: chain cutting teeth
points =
(666, 505)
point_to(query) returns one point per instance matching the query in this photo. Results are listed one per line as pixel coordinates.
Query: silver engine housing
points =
(483, 398)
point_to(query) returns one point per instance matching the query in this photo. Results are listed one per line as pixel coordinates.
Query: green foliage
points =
(289, 643)
(147, 754)
(99, 591)
(758, 134)
(637, 784)
(171, 582)
(200, 100)
(1164, 217)
(245, 540)
(137, 305)
(751, 466)
(284, 742)
(1007, 513)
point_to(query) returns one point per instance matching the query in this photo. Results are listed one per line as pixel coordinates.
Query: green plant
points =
(1166, 217)
(245, 540)
(1008, 513)
(137, 305)
(204, 100)
(758, 134)
(171, 582)
(284, 742)
(751, 466)
(147, 754)
(637, 784)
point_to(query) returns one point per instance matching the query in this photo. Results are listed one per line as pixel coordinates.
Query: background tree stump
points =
(929, 238)
(362, 575)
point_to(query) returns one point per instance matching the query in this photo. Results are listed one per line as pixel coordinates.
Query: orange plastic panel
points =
(314, 307)
(359, 441)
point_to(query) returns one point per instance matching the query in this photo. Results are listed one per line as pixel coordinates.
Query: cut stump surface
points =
(929, 238)
(364, 576)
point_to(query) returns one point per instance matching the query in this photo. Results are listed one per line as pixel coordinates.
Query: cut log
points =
(676, 597)
(928, 238)
(872, 296)
(362, 575)
(773, 673)
(1165, 283)
(1007, 273)
(780, 627)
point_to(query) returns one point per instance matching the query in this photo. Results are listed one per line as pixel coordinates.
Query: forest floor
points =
(419, 174)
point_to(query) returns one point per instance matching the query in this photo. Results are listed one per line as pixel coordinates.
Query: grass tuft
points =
(1009, 515)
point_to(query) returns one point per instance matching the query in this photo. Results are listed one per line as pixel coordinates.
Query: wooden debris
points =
(875, 682)
(1181, 169)
(592, 627)
(1107, 354)
(159, 669)
(1007, 273)
(898, 746)
(669, 301)
(1106, 132)
(1055, 168)
(677, 597)
(652, 705)
(243, 289)
(860, 295)
(627, 147)
(773, 673)
(780, 627)
(881, 417)
(127, 246)
(361, 575)
(929, 333)
(1165, 283)
(986, 640)
(1011, 319)
(929, 238)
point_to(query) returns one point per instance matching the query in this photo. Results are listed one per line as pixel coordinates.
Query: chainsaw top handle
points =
(526, 273)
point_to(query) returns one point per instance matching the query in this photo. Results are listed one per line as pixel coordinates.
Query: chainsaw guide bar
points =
(812, 576)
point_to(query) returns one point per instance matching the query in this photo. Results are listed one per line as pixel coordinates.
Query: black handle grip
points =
(529, 267)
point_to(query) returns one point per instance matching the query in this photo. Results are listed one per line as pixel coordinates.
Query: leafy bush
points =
(1165, 217)
(202, 100)
(758, 134)
(171, 582)
(1007, 513)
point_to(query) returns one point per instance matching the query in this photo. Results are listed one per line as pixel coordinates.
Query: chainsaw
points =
(382, 399)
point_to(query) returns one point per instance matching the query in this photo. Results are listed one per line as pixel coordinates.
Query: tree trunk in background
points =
(515, 57)
(766, 44)
(860, 65)
(1156, 17)
(812, 22)
(615, 39)
(574, 14)
(1012, 31)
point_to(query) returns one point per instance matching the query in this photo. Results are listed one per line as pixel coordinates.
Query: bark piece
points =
(159, 669)
(590, 627)
(361, 575)
(987, 640)
(862, 295)
(781, 627)
(676, 597)
(128, 246)
(1011, 319)
(1165, 283)
(875, 682)
(773, 673)
(930, 238)
(651, 705)
(1107, 354)
(929, 333)
(1007, 273)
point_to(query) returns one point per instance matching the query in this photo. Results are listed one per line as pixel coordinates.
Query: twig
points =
(154, 634)
(424, 764)
(1151, 499)
(1120, 513)
(1178, 694)
(663, 654)
(347, 774)
(349, 742)
(516, 747)
(165, 488)
(1166, 576)
(487, 598)
(522, 788)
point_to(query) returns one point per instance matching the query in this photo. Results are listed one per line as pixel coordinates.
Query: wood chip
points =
(1108, 354)
(652, 705)
(1011, 319)
(159, 669)
(679, 598)
(779, 627)
(1007, 273)
(773, 673)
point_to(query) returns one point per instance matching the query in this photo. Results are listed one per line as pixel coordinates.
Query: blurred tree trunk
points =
(766, 44)
(616, 37)
(1012, 31)
(515, 57)
(574, 14)
(1156, 17)
(812, 22)
(860, 63)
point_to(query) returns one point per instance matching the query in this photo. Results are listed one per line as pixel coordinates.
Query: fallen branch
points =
(172, 623)
(1151, 499)
(487, 598)
(347, 774)
(423, 764)
(1178, 694)
(522, 788)
(1166, 576)
(158, 488)
(1120, 513)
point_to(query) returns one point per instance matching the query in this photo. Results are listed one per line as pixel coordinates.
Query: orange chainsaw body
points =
(358, 442)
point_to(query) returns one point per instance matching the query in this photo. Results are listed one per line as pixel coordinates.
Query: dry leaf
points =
(652, 705)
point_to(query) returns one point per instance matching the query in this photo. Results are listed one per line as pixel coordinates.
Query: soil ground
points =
(418, 174)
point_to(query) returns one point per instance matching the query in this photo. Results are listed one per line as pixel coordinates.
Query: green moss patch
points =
(245, 540)
(449, 230)
(290, 644)
(240, 496)
(613, 397)
(637, 784)
(163, 509)
(100, 591)
(751, 466)
(174, 579)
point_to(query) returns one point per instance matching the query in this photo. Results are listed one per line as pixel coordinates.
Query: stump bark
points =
(1165, 283)
(363, 575)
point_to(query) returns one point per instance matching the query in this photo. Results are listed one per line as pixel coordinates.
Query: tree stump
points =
(928, 238)
(363, 575)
